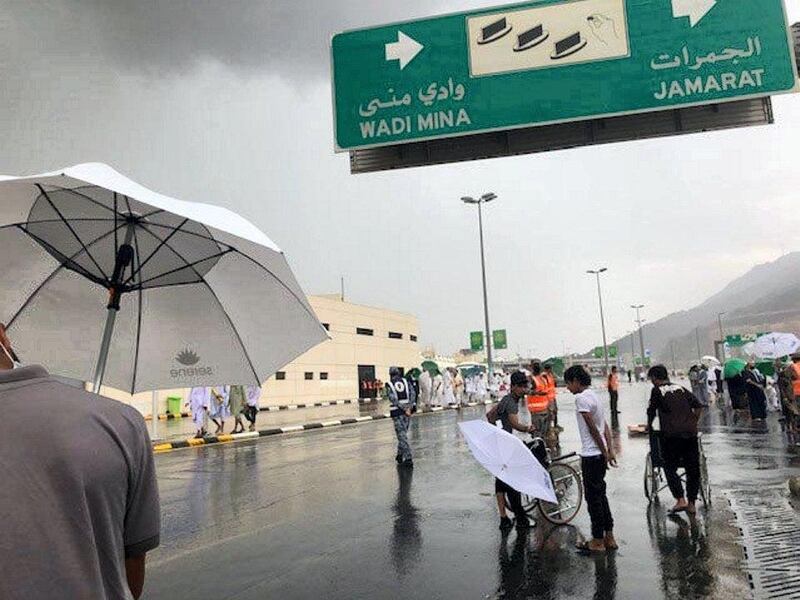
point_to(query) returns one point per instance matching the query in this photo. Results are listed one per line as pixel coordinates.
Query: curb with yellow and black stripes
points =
(251, 435)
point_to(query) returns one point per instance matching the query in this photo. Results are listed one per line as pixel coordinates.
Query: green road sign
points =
(476, 341)
(612, 352)
(738, 341)
(553, 61)
(500, 339)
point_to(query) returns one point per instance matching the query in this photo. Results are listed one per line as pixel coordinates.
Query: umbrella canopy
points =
(414, 373)
(431, 367)
(710, 361)
(776, 345)
(507, 458)
(105, 280)
(733, 367)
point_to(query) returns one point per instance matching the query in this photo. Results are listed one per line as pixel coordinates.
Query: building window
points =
(413, 338)
(280, 375)
(323, 376)
(327, 326)
(362, 331)
(395, 336)
(309, 376)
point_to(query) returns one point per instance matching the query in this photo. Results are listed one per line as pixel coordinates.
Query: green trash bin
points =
(174, 405)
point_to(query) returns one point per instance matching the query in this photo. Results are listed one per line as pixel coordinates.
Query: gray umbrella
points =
(109, 282)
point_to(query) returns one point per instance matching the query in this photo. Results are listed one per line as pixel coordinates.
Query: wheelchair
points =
(655, 480)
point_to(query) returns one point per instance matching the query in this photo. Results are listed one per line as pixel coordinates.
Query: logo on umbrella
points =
(187, 358)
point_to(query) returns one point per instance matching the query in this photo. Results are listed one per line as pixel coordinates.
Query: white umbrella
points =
(776, 345)
(107, 281)
(507, 458)
(710, 360)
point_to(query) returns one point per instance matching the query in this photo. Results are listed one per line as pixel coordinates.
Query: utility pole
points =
(672, 348)
(721, 335)
(480, 202)
(597, 274)
(697, 337)
(637, 308)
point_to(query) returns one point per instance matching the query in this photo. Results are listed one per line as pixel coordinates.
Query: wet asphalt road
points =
(326, 514)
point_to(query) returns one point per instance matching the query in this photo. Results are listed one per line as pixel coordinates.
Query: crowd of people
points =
(751, 390)
(219, 403)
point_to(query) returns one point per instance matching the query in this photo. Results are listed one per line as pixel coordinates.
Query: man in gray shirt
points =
(79, 497)
(507, 414)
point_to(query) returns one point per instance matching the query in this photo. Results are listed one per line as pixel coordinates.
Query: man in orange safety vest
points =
(539, 401)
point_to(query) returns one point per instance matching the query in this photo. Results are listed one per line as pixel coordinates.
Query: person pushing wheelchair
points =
(678, 412)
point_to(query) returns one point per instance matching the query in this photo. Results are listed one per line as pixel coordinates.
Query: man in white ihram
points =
(79, 497)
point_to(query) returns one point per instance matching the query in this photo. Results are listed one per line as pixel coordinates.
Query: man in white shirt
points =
(596, 456)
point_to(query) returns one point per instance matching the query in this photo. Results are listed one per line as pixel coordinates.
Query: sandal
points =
(585, 548)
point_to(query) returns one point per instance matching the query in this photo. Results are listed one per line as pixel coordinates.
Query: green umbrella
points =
(471, 370)
(767, 367)
(734, 367)
(431, 367)
(414, 373)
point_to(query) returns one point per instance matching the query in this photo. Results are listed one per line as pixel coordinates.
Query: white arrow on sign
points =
(694, 9)
(405, 49)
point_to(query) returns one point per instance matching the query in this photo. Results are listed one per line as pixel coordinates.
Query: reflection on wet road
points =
(327, 514)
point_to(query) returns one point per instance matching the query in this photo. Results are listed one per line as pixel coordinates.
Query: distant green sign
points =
(500, 340)
(553, 61)
(613, 352)
(739, 340)
(476, 341)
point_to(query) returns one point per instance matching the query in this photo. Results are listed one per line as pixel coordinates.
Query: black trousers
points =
(514, 499)
(250, 413)
(594, 489)
(686, 453)
(614, 400)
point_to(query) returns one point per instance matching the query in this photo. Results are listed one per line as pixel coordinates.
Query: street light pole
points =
(483, 200)
(637, 308)
(697, 338)
(597, 274)
(721, 335)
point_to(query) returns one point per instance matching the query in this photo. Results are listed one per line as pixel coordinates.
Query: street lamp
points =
(597, 274)
(486, 198)
(639, 321)
(721, 334)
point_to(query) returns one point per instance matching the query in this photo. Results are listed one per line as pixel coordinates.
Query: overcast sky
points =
(229, 103)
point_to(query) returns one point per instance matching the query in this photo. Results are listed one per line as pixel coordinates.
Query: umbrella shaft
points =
(105, 346)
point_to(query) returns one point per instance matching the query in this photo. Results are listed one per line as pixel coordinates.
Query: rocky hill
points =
(765, 299)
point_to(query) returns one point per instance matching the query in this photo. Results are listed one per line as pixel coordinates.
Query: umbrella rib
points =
(188, 265)
(163, 243)
(67, 260)
(235, 331)
(216, 298)
(72, 231)
(194, 233)
(282, 284)
(77, 192)
(50, 277)
(139, 319)
(48, 221)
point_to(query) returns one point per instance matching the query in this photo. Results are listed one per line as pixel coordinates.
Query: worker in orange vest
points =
(793, 373)
(551, 393)
(539, 401)
(613, 389)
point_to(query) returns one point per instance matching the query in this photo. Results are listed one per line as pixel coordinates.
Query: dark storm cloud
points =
(287, 36)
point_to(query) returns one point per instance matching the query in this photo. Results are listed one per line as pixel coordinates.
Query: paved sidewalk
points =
(180, 440)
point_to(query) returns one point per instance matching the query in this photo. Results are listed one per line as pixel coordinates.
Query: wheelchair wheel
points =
(569, 492)
(650, 480)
